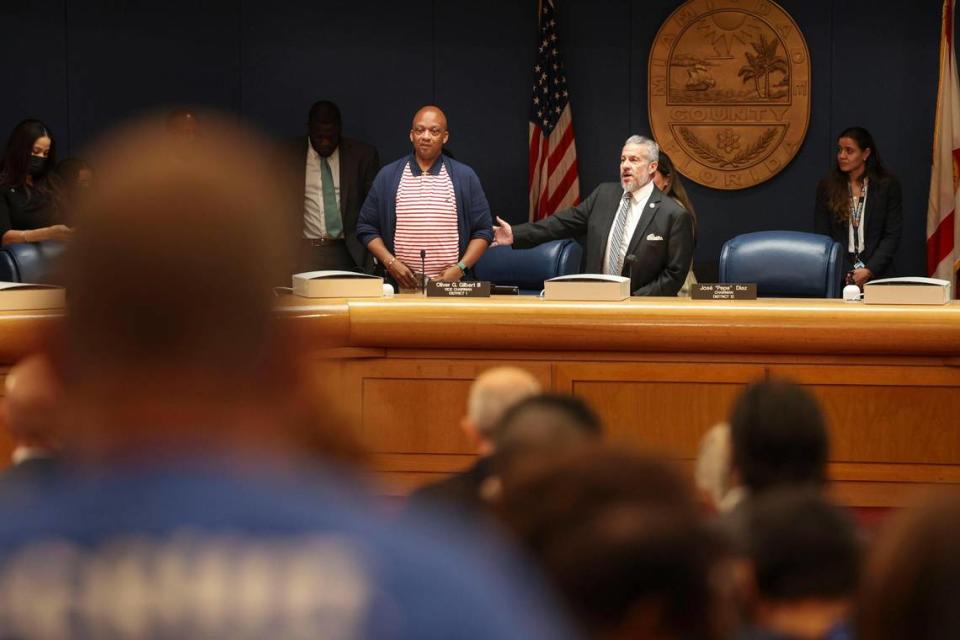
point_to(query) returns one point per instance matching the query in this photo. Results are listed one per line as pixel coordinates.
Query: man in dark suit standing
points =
(337, 174)
(632, 229)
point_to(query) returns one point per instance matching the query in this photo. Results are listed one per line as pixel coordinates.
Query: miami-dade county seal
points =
(729, 90)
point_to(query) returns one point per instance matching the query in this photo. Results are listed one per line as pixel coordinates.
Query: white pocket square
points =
(653, 237)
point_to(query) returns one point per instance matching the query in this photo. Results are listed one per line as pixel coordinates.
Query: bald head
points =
(494, 392)
(32, 397)
(428, 135)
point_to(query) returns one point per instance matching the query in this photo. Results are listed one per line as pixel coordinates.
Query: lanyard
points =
(857, 208)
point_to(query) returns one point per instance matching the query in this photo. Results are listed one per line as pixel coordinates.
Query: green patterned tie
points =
(331, 213)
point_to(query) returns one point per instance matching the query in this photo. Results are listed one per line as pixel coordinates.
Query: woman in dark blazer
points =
(860, 205)
(26, 211)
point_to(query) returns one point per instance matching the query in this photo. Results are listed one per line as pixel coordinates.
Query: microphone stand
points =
(423, 271)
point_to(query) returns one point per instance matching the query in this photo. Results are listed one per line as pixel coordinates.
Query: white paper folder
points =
(587, 287)
(907, 291)
(337, 284)
(17, 296)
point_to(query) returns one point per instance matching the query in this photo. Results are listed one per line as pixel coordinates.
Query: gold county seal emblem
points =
(729, 90)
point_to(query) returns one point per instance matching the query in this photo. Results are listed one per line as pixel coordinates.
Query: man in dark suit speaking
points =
(632, 228)
(337, 174)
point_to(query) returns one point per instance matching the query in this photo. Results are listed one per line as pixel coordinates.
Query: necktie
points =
(331, 213)
(615, 260)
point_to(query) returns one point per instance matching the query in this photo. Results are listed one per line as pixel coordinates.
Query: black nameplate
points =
(458, 289)
(714, 291)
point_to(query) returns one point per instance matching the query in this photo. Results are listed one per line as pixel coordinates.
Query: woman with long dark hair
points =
(860, 205)
(26, 214)
(668, 181)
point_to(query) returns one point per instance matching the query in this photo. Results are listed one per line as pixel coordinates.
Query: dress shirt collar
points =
(642, 194)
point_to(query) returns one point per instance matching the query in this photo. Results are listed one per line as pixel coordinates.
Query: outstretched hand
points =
(502, 233)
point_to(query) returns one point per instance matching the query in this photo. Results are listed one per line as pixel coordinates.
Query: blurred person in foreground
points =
(804, 560)
(779, 438)
(620, 537)
(713, 470)
(494, 392)
(912, 580)
(190, 515)
(535, 432)
(31, 412)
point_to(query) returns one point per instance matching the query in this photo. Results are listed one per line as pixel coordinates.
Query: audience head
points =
(713, 471)
(32, 399)
(535, 431)
(912, 582)
(170, 275)
(491, 395)
(638, 162)
(428, 134)
(779, 437)
(620, 538)
(806, 559)
(30, 155)
(546, 421)
(324, 127)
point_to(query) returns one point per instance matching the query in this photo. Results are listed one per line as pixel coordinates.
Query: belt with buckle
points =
(322, 242)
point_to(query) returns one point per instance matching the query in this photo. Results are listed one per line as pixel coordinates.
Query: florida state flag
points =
(943, 241)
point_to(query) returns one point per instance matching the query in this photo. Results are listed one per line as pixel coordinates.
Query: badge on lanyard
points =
(857, 208)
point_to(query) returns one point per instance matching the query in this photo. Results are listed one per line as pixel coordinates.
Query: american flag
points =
(554, 179)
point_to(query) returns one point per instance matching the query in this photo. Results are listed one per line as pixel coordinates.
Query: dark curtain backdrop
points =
(82, 65)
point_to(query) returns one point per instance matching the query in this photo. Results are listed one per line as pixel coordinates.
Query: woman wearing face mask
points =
(25, 211)
(860, 205)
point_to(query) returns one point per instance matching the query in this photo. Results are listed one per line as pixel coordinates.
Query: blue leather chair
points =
(528, 268)
(784, 264)
(33, 262)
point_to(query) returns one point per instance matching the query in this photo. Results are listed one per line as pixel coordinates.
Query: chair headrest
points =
(782, 263)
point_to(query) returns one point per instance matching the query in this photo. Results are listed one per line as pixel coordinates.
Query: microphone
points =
(423, 270)
(629, 260)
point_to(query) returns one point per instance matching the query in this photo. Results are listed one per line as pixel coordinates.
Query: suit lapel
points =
(649, 213)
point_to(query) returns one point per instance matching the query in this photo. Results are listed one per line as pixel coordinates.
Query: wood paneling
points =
(414, 406)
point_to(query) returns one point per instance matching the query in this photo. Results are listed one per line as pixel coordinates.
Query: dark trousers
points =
(329, 257)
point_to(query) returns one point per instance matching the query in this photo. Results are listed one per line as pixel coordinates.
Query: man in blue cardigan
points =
(428, 202)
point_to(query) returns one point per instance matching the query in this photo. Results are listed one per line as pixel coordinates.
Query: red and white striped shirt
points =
(427, 219)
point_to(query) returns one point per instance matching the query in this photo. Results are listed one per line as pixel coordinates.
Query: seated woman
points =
(26, 214)
(668, 181)
(860, 205)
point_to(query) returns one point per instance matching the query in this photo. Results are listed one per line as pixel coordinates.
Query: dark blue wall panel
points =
(33, 50)
(126, 57)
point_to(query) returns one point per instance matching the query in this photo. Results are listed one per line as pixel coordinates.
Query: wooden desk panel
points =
(660, 372)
